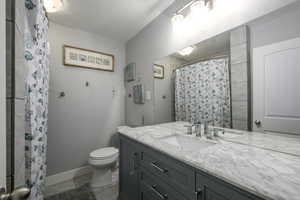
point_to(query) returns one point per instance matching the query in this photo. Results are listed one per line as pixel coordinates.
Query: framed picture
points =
(84, 58)
(158, 71)
(130, 72)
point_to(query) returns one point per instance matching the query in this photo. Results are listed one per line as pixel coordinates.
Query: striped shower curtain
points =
(202, 93)
(36, 107)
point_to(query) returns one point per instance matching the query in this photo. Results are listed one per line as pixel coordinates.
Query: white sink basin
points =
(187, 143)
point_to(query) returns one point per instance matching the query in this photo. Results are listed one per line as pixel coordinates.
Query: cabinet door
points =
(129, 171)
(211, 188)
(208, 194)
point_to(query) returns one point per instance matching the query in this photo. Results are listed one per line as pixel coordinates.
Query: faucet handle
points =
(217, 130)
(198, 130)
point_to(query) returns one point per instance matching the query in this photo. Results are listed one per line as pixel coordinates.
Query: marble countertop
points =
(265, 165)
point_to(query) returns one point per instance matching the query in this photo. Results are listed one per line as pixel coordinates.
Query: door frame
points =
(2, 95)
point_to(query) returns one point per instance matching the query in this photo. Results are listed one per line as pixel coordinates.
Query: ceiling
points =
(216, 46)
(116, 19)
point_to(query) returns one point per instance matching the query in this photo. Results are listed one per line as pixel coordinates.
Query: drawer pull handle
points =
(155, 166)
(135, 161)
(198, 193)
(161, 196)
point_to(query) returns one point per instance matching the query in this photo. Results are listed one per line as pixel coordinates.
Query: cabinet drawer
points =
(211, 188)
(154, 189)
(179, 176)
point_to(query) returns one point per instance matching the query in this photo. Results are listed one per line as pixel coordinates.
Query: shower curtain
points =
(36, 106)
(202, 93)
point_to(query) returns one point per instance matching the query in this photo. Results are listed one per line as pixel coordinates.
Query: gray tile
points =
(239, 110)
(239, 72)
(240, 124)
(9, 9)
(8, 136)
(82, 193)
(8, 183)
(238, 36)
(8, 116)
(8, 155)
(239, 54)
(19, 142)
(239, 91)
(20, 69)
(9, 58)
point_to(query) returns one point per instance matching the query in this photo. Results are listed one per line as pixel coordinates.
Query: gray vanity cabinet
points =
(153, 188)
(129, 170)
(212, 188)
(176, 174)
(147, 174)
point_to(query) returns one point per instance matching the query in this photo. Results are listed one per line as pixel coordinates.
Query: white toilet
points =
(102, 160)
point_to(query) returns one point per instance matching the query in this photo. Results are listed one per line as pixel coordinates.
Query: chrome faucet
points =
(202, 129)
(197, 128)
(207, 131)
(189, 129)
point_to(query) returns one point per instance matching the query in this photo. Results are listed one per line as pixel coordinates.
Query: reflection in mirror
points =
(197, 85)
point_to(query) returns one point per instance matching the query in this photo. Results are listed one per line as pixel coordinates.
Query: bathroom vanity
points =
(150, 174)
(159, 164)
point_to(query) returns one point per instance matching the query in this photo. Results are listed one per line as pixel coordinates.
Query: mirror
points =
(206, 82)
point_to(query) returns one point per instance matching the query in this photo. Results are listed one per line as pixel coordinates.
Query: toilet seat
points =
(103, 156)
(104, 153)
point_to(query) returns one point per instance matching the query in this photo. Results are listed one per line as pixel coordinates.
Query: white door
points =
(276, 87)
(2, 97)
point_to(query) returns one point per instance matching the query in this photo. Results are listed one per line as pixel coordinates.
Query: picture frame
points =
(158, 71)
(88, 59)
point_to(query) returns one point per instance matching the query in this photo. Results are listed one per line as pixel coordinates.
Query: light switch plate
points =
(148, 95)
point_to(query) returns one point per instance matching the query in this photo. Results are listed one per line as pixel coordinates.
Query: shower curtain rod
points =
(202, 60)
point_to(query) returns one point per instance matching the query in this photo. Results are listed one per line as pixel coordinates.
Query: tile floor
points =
(84, 193)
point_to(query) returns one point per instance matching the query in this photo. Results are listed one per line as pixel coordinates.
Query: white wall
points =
(164, 107)
(87, 117)
(2, 97)
(158, 40)
(278, 26)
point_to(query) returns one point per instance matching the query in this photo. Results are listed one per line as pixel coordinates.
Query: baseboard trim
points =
(67, 180)
(67, 175)
(73, 179)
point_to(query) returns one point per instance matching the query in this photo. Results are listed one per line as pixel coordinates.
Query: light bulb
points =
(177, 19)
(186, 51)
(53, 5)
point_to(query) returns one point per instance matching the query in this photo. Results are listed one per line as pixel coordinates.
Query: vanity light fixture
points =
(186, 51)
(198, 7)
(53, 5)
(177, 19)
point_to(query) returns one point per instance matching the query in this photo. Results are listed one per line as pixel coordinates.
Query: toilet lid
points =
(104, 153)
